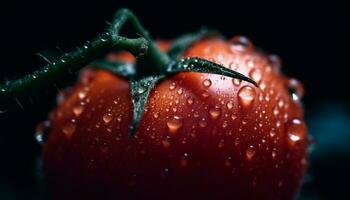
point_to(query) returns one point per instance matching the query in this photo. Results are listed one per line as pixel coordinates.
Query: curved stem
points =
(156, 57)
(67, 64)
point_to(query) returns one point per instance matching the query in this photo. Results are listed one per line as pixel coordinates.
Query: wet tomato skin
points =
(202, 136)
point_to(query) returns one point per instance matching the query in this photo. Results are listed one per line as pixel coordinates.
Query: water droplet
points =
(280, 103)
(205, 94)
(274, 154)
(202, 123)
(233, 117)
(215, 112)
(166, 144)
(296, 130)
(190, 100)
(69, 128)
(82, 94)
(246, 95)
(156, 115)
(224, 124)
(296, 89)
(228, 162)
(141, 89)
(221, 144)
(241, 44)
(255, 74)
(234, 66)
(180, 91)
(184, 160)
(280, 183)
(41, 131)
(77, 110)
(275, 61)
(250, 152)
(174, 124)
(207, 83)
(104, 148)
(172, 86)
(275, 111)
(236, 81)
(107, 118)
(229, 105)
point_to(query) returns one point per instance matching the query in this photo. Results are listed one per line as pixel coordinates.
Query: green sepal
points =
(195, 64)
(181, 44)
(140, 90)
(124, 69)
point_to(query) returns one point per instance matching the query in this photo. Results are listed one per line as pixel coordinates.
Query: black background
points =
(311, 38)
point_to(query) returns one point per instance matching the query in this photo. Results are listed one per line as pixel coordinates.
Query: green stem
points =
(156, 57)
(65, 65)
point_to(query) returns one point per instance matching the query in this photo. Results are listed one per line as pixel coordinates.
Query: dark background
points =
(311, 38)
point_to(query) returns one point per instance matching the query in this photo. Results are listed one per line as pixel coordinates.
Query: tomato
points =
(202, 136)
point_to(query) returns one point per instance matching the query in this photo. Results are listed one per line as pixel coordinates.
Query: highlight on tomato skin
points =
(201, 136)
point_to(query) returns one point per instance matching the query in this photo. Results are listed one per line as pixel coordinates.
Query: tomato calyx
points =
(152, 65)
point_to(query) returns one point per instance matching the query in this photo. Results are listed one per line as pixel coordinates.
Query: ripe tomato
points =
(202, 136)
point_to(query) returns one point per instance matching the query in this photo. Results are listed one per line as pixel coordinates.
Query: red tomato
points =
(202, 136)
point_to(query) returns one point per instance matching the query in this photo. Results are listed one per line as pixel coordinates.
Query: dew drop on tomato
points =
(202, 123)
(229, 105)
(207, 83)
(296, 130)
(246, 96)
(236, 81)
(107, 118)
(240, 44)
(184, 160)
(255, 74)
(69, 128)
(215, 112)
(250, 152)
(190, 100)
(174, 124)
(78, 110)
(41, 131)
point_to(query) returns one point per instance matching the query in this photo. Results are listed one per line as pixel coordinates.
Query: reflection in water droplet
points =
(228, 162)
(280, 103)
(190, 100)
(205, 94)
(275, 111)
(296, 89)
(82, 94)
(184, 160)
(236, 81)
(156, 115)
(166, 143)
(250, 152)
(296, 130)
(207, 83)
(246, 95)
(69, 128)
(275, 60)
(77, 110)
(241, 44)
(255, 74)
(229, 105)
(41, 131)
(274, 154)
(172, 86)
(174, 124)
(215, 112)
(107, 118)
(202, 123)
(233, 117)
